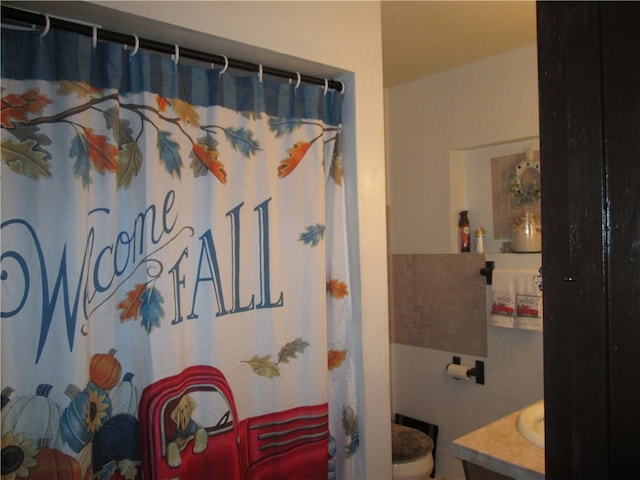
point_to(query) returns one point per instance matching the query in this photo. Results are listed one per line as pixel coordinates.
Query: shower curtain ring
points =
(94, 37)
(176, 55)
(136, 46)
(326, 87)
(226, 65)
(47, 26)
(260, 74)
(344, 87)
(298, 82)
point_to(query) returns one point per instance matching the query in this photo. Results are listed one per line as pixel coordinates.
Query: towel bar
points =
(487, 271)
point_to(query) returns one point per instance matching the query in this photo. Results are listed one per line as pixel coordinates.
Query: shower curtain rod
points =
(24, 17)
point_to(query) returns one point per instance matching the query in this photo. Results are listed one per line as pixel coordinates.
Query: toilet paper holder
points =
(477, 371)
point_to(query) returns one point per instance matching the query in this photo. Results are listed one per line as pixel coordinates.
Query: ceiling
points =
(421, 38)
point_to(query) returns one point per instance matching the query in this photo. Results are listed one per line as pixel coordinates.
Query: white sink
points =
(530, 424)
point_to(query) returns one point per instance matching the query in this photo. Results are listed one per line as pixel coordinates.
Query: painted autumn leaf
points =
(337, 288)
(263, 366)
(198, 168)
(128, 469)
(130, 306)
(102, 154)
(81, 89)
(335, 170)
(23, 133)
(185, 111)
(129, 164)
(151, 309)
(242, 141)
(295, 156)
(349, 420)
(350, 425)
(169, 153)
(209, 158)
(251, 115)
(90, 150)
(312, 235)
(283, 126)
(23, 158)
(336, 358)
(118, 469)
(291, 349)
(162, 103)
(122, 131)
(18, 107)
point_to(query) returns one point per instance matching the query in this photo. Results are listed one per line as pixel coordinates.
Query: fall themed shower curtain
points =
(175, 275)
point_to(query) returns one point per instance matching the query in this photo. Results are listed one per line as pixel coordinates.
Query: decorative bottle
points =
(464, 232)
(479, 240)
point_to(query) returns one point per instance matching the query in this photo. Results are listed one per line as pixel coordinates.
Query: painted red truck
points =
(191, 431)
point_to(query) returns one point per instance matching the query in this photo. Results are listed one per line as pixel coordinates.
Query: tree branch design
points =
(119, 153)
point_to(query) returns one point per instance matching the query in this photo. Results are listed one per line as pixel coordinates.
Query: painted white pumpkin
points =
(36, 416)
(125, 397)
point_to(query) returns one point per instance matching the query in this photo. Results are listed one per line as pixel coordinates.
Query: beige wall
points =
(338, 39)
(491, 101)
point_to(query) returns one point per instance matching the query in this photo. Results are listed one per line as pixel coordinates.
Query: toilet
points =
(411, 452)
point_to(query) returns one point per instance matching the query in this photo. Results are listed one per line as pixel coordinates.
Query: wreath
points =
(524, 193)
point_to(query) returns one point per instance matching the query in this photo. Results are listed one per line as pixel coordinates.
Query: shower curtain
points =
(175, 271)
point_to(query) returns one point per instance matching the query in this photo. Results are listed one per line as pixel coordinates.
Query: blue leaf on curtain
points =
(169, 153)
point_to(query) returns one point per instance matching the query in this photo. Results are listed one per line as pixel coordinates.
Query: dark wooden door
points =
(621, 93)
(589, 79)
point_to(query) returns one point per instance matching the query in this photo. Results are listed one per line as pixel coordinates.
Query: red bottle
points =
(464, 232)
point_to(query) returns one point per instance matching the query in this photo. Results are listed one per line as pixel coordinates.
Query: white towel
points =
(503, 298)
(528, 301)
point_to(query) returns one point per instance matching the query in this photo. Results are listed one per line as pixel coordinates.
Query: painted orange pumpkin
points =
(105, 370)
(55, 465)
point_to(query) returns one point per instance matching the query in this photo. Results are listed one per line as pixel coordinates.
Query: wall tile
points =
(438, 301)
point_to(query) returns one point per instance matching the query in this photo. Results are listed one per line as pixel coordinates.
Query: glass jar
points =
(526, 233)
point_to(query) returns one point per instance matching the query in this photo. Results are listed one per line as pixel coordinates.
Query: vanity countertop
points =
(499, 447)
